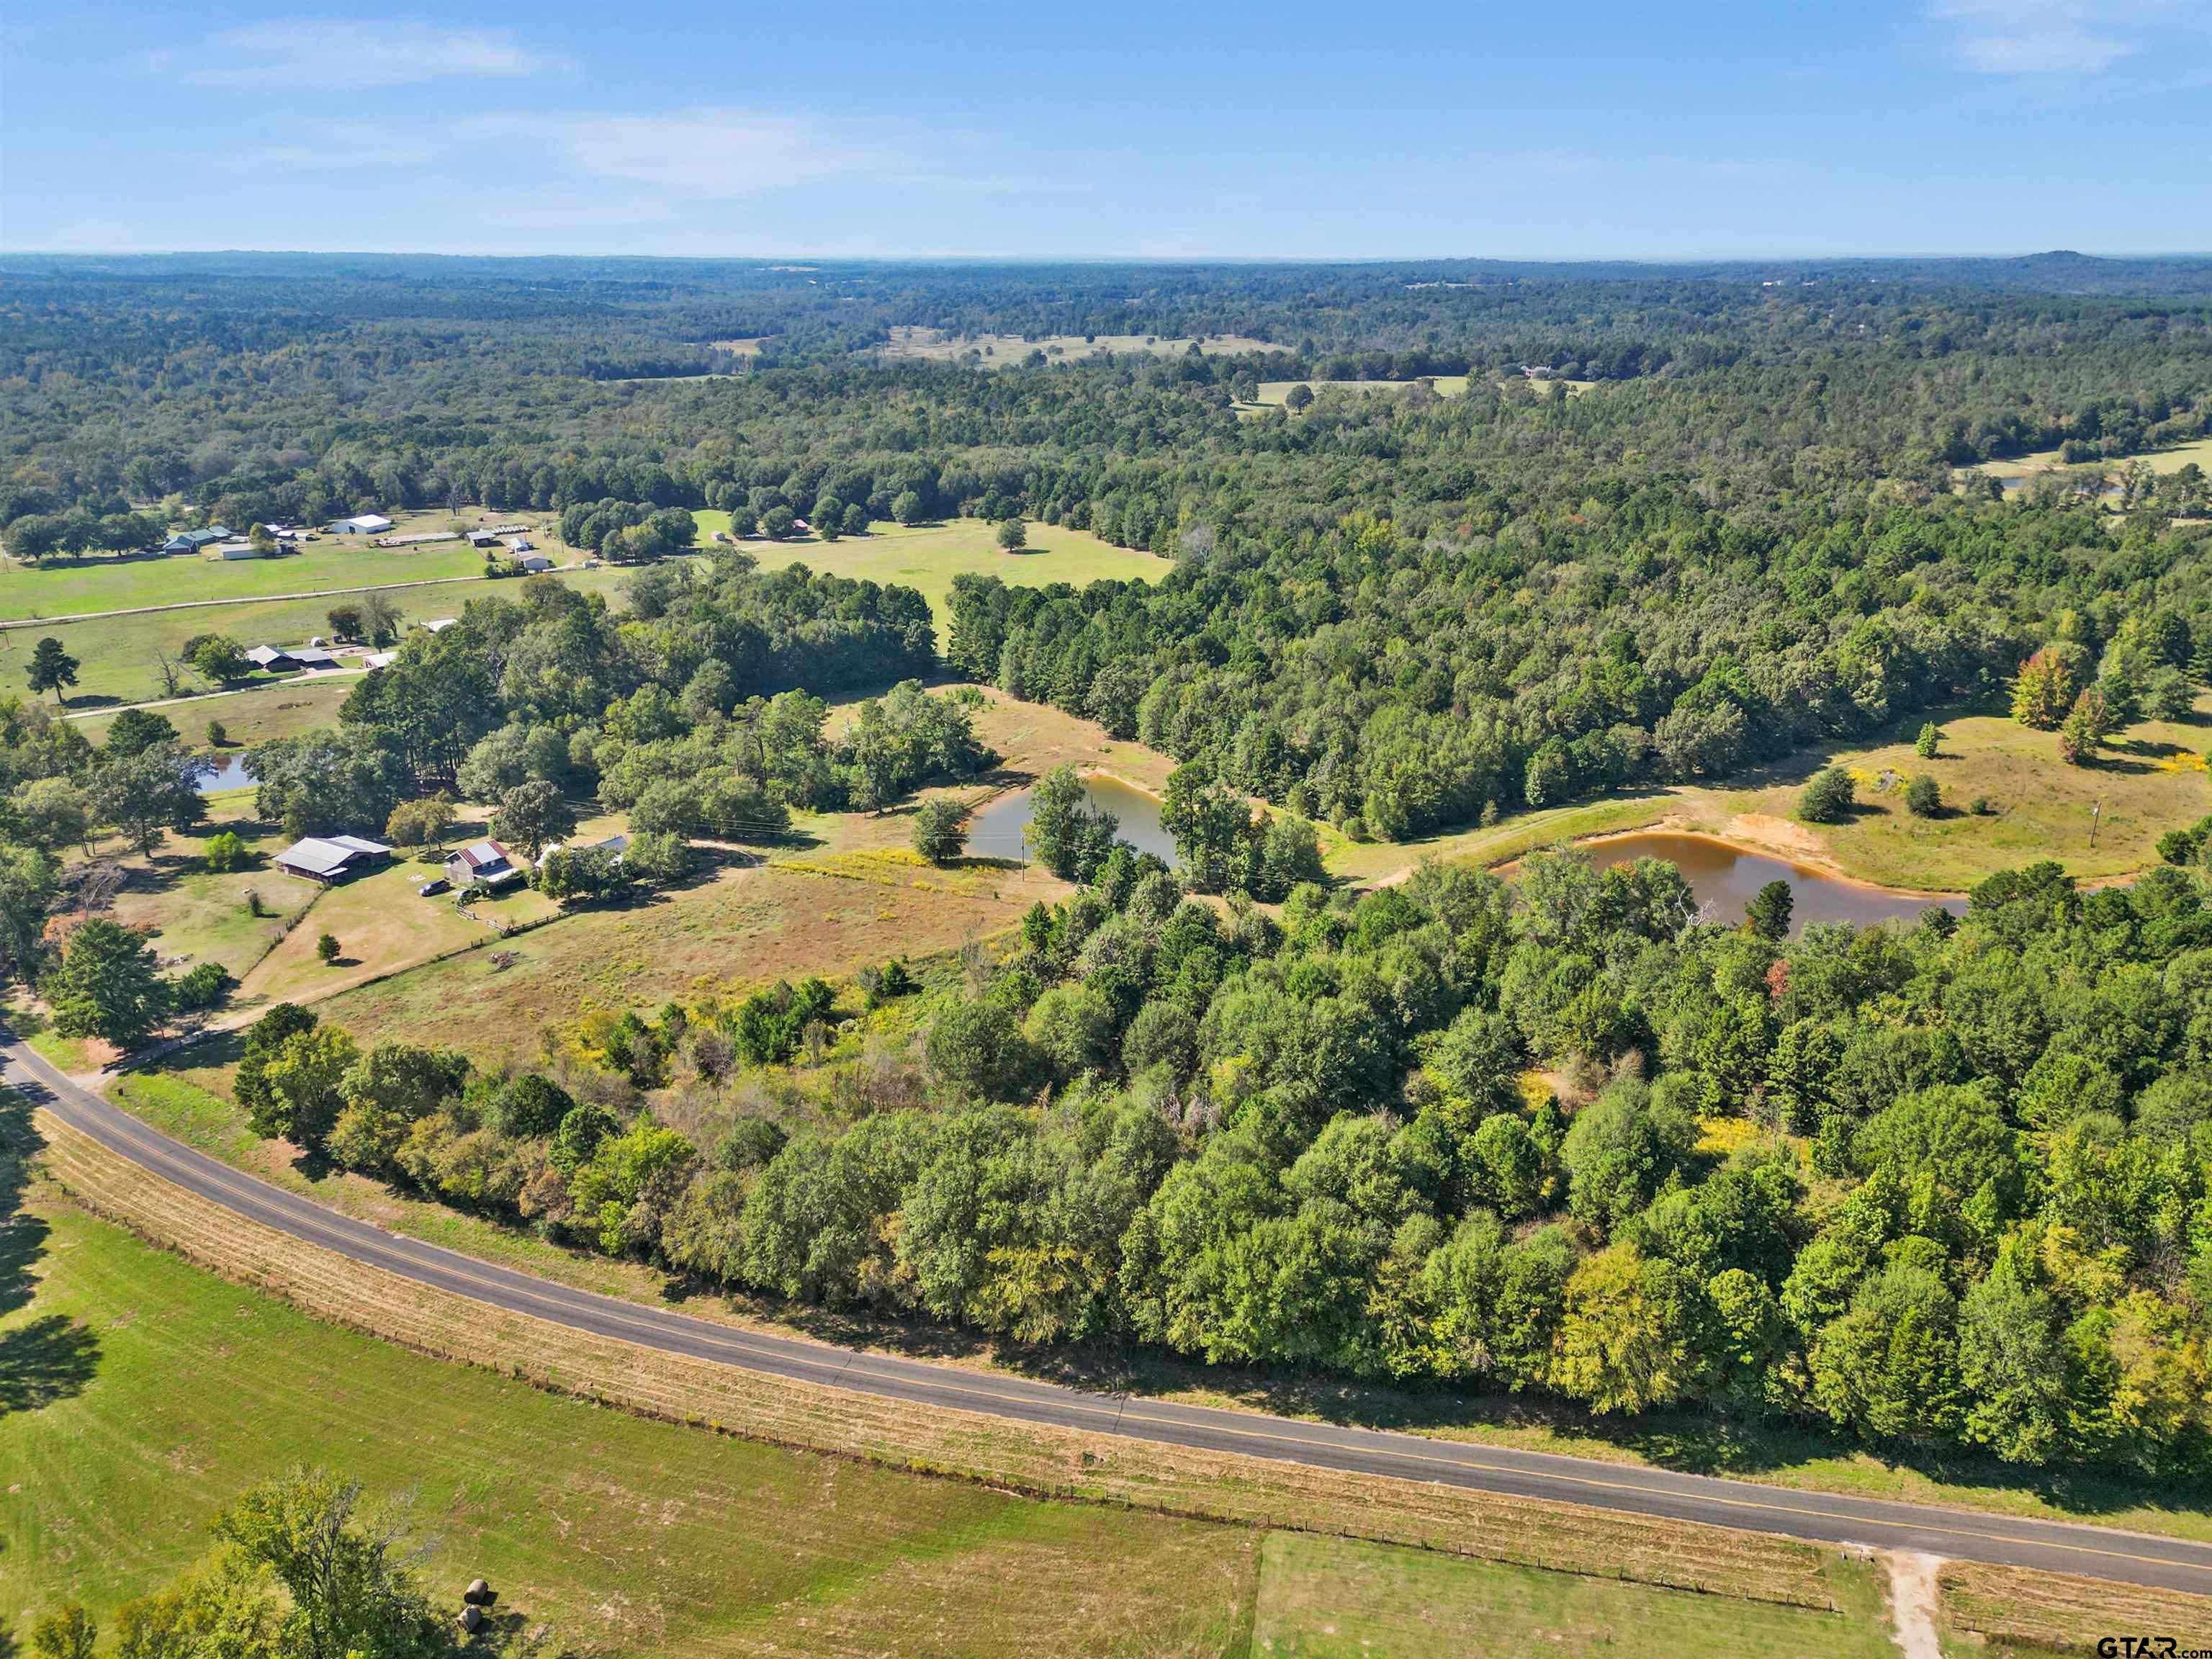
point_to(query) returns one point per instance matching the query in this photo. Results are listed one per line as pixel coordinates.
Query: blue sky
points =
(1568, 131)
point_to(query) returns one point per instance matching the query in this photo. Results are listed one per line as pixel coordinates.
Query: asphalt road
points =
(1820, 1517)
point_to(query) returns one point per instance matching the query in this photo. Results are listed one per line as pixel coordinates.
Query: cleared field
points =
(1339, 1598)
(626, 1535)
(97, 582)
(381, 926)
(280, 708)
(116, 655)
(928, 557)
(201, 916)
(2151, 780)
(2170, 460)
(1010, 350)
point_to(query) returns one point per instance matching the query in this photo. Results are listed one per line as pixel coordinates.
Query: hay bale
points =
(478, 1591)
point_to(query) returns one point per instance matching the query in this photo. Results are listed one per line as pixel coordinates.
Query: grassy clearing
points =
(2170, 460)
(626, 1535)
(282, 708)
(1011, 351)
(2023, 1615)
(928, 557)
(1337, 1598)
(199, 916)
(116, 655)
(2153, 779)
(382, 925)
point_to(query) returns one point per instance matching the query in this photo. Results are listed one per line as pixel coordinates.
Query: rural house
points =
(483, 863)
(535, 565)
(331, 858)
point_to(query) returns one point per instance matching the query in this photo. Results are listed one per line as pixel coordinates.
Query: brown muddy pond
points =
(1725, 878)
(995, 830)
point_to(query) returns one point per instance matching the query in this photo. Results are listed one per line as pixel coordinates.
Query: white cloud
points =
(2062, 37)
(695, 156)
(346, 146)
(339, 53)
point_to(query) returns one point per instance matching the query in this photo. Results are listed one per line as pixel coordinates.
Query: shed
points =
(483, 538)
(231, 550)
(519, 545)
(535, 563)
(273, 658)
(439, 624)
(364, 524)
(615, 845)
(331, 858)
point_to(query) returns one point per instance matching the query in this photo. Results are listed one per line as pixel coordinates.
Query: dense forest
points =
(1944, 1187)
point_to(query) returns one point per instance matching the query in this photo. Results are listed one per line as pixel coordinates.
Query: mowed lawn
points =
(98, 582)
(1335, 1598)
(928, 557)
(143, 1394)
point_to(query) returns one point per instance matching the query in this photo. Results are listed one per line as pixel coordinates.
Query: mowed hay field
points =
(928, 557)
(626, 1535)
(1340, 1598)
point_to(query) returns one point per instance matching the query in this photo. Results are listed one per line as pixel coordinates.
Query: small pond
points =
(1726, 879)
(995, 831)
(229, 772)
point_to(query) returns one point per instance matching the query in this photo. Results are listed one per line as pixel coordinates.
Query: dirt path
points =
(1912, 1599)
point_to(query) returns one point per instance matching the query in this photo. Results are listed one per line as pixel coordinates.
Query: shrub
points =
(226, 851)
(200, 989)
(1828, 799)
(1923, 797)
